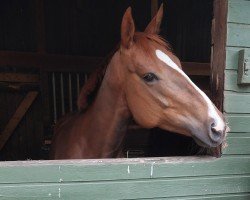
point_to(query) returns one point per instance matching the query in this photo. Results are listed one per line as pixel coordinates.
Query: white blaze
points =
(219, 124)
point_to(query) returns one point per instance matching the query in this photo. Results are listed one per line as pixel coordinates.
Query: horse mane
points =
(90, 89)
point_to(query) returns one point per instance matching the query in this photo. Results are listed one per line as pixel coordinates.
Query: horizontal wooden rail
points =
(55, 62)
(196, 69)
(48, 61)
(18, 78)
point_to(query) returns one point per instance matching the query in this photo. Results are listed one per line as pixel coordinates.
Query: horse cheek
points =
(141, 107)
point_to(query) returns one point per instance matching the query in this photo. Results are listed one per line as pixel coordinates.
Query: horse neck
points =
(109, 116)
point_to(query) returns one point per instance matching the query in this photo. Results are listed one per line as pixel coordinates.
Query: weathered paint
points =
(91, 179)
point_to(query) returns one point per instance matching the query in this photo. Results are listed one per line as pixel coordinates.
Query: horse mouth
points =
(205, 144)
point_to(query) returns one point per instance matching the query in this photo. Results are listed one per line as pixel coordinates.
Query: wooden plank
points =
(18, 77)
(238, 134)
(231, 82)
(16, 118)
(117, 169)
(236, 102)
(239, 11)
(212, 197)
(238, 122)
(237, 146)
(238, 35)
(127, 189)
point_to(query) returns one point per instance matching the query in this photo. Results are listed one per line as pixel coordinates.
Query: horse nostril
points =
(214, 134)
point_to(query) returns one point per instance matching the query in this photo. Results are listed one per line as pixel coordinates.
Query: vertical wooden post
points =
(218, 57)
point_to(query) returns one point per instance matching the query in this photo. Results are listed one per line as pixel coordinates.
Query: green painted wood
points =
(130, 189)
(210, 197)
(231, 77)
(237, 146)
(236, 102)
(238, 122)
(238, 35)
(232, 57)
(233, 135)
(111, 170)
(239, 11)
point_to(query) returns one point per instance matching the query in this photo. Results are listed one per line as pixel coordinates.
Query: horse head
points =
(158, 92)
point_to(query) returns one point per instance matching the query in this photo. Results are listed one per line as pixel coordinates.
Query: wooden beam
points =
(53, 62)
(19, 78)
(219, 35)
(17, 117)
(218, 57)
(16, 87)
(49, 61)
(196, 69)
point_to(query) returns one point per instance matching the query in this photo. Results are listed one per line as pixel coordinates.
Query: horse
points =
(143, 82)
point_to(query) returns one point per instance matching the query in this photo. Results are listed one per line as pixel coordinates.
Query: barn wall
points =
(237, 97)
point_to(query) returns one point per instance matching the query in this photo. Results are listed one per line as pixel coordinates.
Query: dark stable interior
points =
(92, 28)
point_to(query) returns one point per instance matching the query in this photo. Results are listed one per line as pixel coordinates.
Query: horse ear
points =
(155, 24)
(127, 29)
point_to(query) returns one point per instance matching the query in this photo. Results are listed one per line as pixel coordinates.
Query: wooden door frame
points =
(218, 51)
(218, 56)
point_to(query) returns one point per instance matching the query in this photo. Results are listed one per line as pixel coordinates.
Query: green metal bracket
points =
(244, 67)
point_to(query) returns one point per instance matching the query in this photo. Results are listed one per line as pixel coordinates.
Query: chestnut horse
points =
(143, 81)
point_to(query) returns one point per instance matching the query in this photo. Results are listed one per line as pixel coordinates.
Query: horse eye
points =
(150, 77)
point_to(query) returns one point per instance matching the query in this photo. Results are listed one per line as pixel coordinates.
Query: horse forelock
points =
(148, 43)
